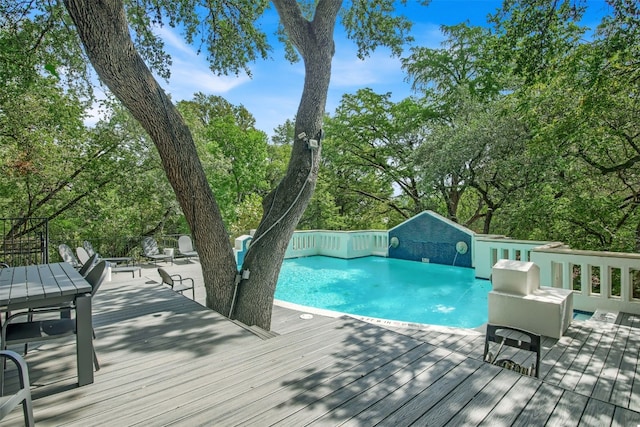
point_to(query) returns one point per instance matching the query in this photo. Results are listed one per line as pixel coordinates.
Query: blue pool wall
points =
(430, 237)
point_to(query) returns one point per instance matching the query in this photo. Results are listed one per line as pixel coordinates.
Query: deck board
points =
(564, 413)
(362, 402)
(505, 412)
(603, 387)
(539, 407)
(167, 360)
(407, 394)
(597, 413)
(483, 403)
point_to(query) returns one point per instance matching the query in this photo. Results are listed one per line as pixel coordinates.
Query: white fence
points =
(599, 280)
(339, 244)
(487, 250)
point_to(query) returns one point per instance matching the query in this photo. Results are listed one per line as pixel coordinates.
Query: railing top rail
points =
(578, 252)
(340, 231)
(506, 240)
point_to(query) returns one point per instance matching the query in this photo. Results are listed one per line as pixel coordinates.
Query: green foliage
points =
(35, 40)
(234, 156)
(535, 35)
(465, 65)
(226, 30)
(373, 23)
(529, 129)
(369, 148)
(585, 114)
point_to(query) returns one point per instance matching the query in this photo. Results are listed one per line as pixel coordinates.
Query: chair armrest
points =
(182, 279)
(30, 313)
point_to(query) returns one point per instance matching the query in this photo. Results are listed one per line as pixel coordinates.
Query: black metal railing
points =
(25, 241)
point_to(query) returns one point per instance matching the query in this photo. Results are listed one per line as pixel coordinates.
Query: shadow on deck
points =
(168, 360)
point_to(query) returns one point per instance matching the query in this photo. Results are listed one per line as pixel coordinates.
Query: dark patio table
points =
(44, 285)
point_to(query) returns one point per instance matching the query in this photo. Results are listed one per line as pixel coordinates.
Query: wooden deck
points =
(166, 360)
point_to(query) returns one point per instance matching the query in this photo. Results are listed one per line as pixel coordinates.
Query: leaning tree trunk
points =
(284, 207)
(103, 29)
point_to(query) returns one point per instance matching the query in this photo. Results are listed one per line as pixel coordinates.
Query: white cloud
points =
(427, 35)
(354, 72)
(190, 71)
(186, 79)
(174, 42)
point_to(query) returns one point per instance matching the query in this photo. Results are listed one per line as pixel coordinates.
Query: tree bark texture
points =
(284, 207)
(103, 29)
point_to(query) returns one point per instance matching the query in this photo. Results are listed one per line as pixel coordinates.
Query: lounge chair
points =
(67, 256)
(87, 248)
(151, 252)
(185, 247)
(83, 255)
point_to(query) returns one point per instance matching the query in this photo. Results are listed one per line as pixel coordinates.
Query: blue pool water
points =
(387, 288)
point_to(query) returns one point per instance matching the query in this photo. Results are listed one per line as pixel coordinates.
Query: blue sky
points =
(273, 93)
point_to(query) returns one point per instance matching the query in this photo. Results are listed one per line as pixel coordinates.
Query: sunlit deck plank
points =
(509, 408)
(481, 404)
(566, 412)
(564, 363)
(627, 374)
(603, 387)
(361, 405)
(597, 413)
(412, 395)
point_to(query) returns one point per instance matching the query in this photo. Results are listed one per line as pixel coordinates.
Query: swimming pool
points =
(387, 288)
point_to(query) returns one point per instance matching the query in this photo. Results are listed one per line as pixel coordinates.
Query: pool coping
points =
(480, 330)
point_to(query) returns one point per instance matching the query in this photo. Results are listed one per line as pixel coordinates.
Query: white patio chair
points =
(83, 255)
(185, 247)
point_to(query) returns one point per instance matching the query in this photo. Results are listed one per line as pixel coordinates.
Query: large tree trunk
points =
(284, 207)
(103, 29)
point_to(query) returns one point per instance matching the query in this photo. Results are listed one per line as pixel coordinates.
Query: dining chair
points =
(512, 337)
(23, 395)
(88, 265)
(7, 314)
(177, 282)
(34, 330)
